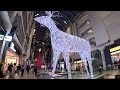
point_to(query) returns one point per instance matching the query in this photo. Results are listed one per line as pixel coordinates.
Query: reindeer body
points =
(65, 43)
(69, 43)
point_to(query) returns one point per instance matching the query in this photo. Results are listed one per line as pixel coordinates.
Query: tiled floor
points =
(75, 75)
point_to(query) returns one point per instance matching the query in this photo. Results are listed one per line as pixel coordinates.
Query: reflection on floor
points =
(75, 75)
(110, 74)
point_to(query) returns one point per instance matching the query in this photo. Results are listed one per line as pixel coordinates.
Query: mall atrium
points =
(60, 44)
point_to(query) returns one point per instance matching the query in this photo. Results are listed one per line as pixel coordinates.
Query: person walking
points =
(100, 69)
(35, 71)
(14, 71)
(28, 68)
(18, 69)
(10, 70)
(4, 69)
(1, 72)
(22, 70)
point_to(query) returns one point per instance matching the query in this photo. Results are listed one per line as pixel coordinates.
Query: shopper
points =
(14, 71)
(119, 64)
(35, 71)
(22, 70)
(28, 68)
(18, 69)
(1, 72)
(4, 69)
(100, 70)
(10, 70)
(11, 65)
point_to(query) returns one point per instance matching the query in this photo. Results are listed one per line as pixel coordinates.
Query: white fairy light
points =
(64, 43)
(36, 14)
(65, 22)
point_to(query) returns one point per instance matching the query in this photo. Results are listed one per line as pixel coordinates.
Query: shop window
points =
(97, 58)
(115, 54)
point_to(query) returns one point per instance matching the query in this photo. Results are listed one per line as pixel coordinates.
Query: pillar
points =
(21, 59)
(69, 30)
(8, 26)
(103, 59)
(30, 41)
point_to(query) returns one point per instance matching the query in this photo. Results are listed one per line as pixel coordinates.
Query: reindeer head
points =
(46, 20)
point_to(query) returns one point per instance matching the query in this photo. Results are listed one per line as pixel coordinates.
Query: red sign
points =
(39, 62)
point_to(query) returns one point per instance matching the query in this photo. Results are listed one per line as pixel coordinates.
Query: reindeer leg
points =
(91, 68)
(90, 64)
(55, 59)
(66, 57)
(85, 63)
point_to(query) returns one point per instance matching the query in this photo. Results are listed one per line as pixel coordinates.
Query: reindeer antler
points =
(50, 13)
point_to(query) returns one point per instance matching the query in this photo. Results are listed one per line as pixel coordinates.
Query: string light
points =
(65, 43)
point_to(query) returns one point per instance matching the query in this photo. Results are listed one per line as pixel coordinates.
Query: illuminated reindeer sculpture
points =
(65, 43)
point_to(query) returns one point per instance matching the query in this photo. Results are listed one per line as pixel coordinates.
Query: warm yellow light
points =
(78, 61)
(115, 52)
(115, 49)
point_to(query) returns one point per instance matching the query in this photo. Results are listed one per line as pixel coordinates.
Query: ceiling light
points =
(88, 22)
(34, 30)
(90, 31)
(36, 14)
(65, 22)
(43, 43)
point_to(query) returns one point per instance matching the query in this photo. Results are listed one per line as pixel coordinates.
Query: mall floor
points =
(75, 75)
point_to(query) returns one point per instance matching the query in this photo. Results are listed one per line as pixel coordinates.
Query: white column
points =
(30, 41)
(103, 59)
(75, 29)
(7, 25)
(6, 21)
(12, 18)
(69, 30)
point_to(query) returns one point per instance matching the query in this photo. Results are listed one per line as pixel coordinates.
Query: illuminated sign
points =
(115, 49)
(8, 38)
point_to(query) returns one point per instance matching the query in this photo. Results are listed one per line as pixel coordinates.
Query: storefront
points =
(112, 53)
(11, 55)
(115, 54)
(78, 65)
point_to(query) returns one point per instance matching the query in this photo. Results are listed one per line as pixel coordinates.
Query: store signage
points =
(8, 38)
(1, 37)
